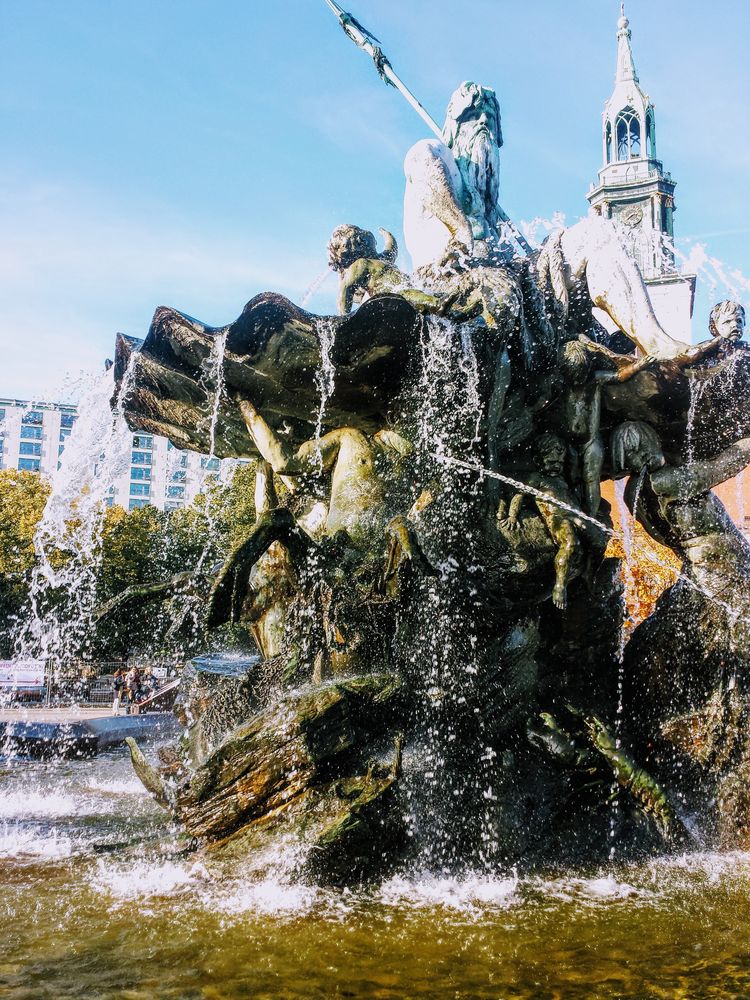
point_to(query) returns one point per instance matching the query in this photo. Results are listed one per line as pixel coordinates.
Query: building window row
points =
(140, 473)
(29, 464)
(141, 458)
(30, 448)
(32, 417)
(140, 489)
(143, 441)
(32, 433)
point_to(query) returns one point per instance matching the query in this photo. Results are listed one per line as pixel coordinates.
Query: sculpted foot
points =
(560, 596)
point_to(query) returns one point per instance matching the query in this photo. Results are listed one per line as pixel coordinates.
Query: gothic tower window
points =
(608, 141)
(628, 135)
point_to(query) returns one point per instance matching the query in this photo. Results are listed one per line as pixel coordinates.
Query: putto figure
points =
(678, 508)
(562, 524)
(727, 320)
(726, 324)
(577, 414)
(353, 253)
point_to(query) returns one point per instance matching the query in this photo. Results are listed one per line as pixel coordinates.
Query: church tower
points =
(634, 189)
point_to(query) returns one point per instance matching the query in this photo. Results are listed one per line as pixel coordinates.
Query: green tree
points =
(22, 499)
(136, 547)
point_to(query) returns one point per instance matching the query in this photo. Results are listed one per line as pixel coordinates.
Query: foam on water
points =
(714, 866)
(38, 804)
(465, 894)
(475, 896)
(128, 786)
(587, 892)
(144, 879)
(21, 842)
(269, 897)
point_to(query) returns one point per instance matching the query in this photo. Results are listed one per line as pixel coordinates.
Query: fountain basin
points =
(47, 733)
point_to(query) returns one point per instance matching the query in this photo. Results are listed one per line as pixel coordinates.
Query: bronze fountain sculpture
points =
(440, 649)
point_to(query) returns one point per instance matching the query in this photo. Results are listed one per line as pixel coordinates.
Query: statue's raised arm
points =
(687, 481)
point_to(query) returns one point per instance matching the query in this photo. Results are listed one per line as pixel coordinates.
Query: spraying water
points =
(57, 625)
(315, 285)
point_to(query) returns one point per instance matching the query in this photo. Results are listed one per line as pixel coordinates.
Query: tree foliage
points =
(22, 499)
(136, 547)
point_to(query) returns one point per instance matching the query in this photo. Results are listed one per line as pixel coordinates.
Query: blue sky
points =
(193, 154)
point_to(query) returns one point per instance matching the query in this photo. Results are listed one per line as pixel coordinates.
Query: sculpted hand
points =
(460, 246)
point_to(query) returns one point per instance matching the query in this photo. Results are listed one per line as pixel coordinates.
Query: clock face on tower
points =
(631, 215)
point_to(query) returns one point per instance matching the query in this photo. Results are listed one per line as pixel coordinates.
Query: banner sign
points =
(18, 674)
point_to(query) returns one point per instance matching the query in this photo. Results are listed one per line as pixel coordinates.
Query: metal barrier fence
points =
(91, 684)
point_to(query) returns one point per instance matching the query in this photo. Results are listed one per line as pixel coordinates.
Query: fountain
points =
(441, 680)
(430, 743)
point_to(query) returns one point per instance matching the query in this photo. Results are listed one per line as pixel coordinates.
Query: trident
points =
(366, 41)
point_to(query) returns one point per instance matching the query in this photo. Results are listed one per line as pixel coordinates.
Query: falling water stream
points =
(628, 520)
(56, 624)
(448, 415)
(324, 378)
(214, 385)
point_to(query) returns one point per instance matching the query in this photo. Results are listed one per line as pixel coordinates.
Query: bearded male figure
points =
(451, 203)
(452, 187)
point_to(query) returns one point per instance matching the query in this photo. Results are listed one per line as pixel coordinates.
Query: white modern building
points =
(33, 437)
(164, 476)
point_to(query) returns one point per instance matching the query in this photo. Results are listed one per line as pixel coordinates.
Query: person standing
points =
(118, 685)
(133, 687)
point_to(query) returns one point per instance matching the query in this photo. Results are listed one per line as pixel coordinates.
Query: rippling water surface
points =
(98, 902)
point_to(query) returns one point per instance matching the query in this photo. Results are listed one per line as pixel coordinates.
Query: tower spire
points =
(625, 63)
(634, 188)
